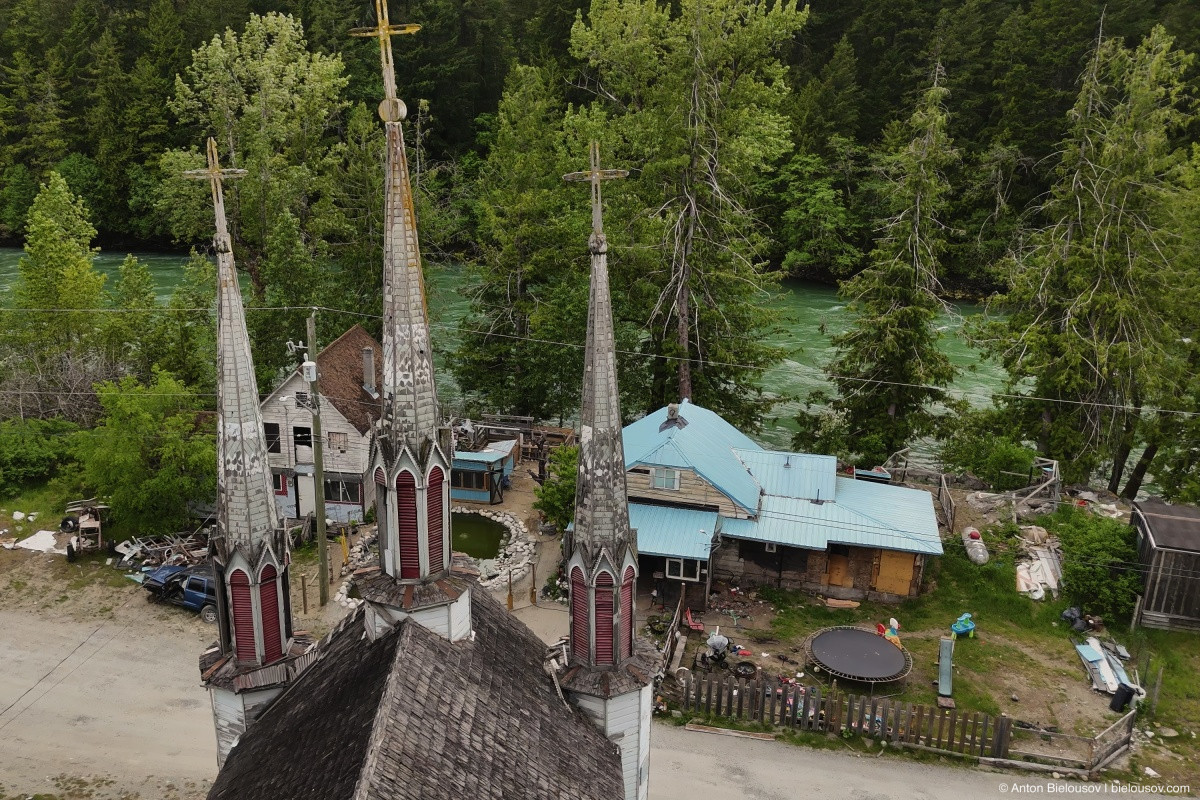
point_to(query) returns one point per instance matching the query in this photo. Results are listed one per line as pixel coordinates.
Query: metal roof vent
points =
(787, 462)
(673, 419)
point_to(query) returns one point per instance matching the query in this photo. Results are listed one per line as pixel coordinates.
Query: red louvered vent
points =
(243, 617)
(380, 478)
(604, 618)
(437, 554)
(268, 603)
(406, 514)
(579, 616)
(627, 614)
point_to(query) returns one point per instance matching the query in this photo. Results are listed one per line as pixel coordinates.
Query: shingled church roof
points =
(413, 715)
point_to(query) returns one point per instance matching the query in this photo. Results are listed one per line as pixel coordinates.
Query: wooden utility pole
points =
(310, 368)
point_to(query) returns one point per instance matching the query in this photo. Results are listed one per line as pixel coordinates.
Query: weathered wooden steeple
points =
(249, 552)
(609, 676)
(411, 448)
(249, 549)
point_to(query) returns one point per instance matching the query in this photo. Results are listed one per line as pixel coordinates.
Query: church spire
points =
(249, 550)
(610, 673)
(411, 447)
(603, 549)
(410, 408)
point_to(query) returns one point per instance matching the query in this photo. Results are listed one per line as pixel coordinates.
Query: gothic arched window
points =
(435, 508)
(268, 603)
(406, 516)
(604, 618)
(579, 616)
(243, 616)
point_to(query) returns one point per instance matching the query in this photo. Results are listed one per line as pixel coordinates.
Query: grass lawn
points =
(1023, 648)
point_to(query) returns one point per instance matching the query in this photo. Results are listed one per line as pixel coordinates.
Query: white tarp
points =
(42, 542)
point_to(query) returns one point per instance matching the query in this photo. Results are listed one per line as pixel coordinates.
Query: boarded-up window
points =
(604, 618)
(580, 644)
(627, 614)
(434, 507)
(268, 602)
(243, 616)
(406, 516)
(895, 572)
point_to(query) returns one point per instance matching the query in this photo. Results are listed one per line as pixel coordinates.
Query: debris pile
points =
(1039, 567)
(177, 550)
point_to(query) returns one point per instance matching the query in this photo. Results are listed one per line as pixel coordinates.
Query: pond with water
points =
(476, 535)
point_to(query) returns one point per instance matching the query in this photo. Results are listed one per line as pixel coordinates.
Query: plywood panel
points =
(895, 572)
(838, 571)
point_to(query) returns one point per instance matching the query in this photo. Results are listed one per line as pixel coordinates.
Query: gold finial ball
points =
(392, 110)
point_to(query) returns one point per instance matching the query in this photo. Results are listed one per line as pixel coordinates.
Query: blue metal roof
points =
(674, 532)
(863, 514)
(705, 445)
(496, 451)
(800, 475)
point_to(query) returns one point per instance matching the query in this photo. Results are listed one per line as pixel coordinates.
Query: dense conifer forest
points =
(1036, 155)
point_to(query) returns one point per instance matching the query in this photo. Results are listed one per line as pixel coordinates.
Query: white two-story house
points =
(350, 370)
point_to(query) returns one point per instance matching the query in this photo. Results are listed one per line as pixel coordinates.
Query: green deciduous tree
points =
(33, 450)
(272, 106)
(556, 497)
(531, 262)
(152, 454)
(1099, 560)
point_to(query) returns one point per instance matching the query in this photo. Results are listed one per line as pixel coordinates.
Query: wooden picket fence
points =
(816, 709)
(964, 733)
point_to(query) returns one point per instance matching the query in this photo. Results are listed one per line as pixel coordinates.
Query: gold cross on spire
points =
(214, 175)
(594, 175)
(213, 172)
(392, 108)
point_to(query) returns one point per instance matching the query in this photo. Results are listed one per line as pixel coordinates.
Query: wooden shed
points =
(1169, 550)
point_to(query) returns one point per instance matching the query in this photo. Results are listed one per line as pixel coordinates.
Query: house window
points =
(770, 547)
(467, 479)
(664, 478)
(271, 429)
(683, 569)
(281, 484)
(302, 437)
(839, 550)
(303, 400)
(338, 441)
(343, 492)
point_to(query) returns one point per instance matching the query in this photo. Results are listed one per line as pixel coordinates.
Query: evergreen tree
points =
(696, 94)
(888, 369)
(1094, 301)
(56, 272)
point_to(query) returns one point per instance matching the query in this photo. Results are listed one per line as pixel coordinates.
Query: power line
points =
(804, 368)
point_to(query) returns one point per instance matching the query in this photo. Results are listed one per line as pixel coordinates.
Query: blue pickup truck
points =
(190, 587)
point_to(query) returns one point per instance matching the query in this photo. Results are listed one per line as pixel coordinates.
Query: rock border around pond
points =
(518, 551)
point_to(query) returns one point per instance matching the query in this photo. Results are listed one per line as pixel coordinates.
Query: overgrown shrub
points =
(1100, 572)
(33, 450)
(978, 443)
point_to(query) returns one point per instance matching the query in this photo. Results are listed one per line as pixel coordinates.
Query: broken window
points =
(271, 430)
(338, 441)
(342, 492)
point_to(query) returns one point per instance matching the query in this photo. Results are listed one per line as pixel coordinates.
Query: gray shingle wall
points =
(245, 497)
(407, 354)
